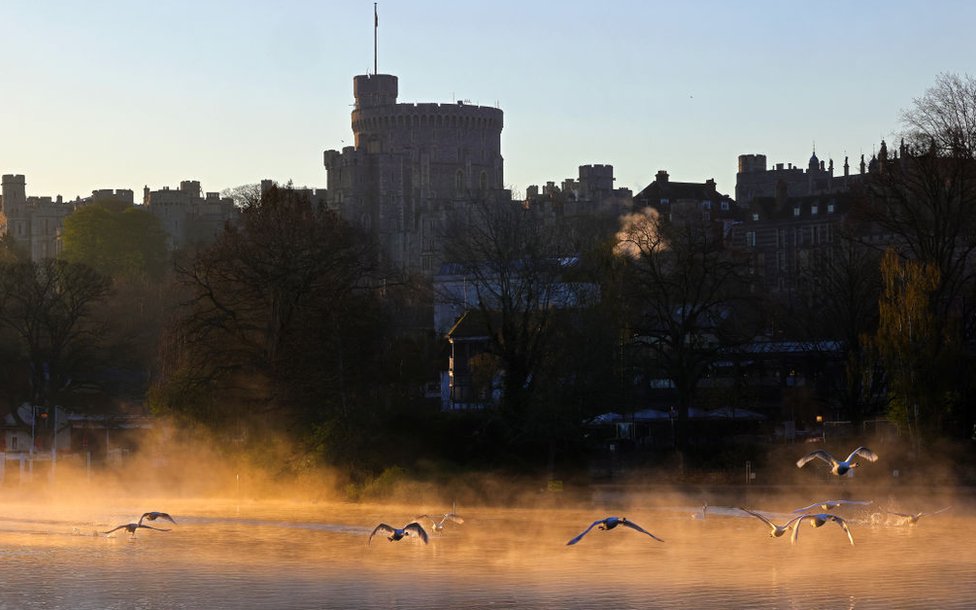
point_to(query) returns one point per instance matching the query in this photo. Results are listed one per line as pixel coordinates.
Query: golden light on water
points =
(248, 537)
(291, 550)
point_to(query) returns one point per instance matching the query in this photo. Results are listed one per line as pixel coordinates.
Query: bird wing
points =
(758, 516)
(843, 524)
(796, 526)
(149, 527)
(806, 508)
(382, 527)
(819, 453)
(585, 532)
(865, 453)
(416, 527)
(891, 512)
(941, 510)
(454, 518)
(634, 526)
(115, 528)
(166, 516)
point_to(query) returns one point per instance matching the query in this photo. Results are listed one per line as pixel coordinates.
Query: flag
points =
(376, 17)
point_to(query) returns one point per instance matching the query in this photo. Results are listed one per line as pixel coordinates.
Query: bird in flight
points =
(837, 467)
(912, 518)
(817, 520)
(398, 533)
(831, 504)
(775, 531)
(438, 521)
(608, 524)
(153, 515)
(132, 527)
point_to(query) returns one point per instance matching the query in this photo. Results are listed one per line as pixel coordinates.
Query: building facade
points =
(187, 215)
(755, 181)
(34, 223)
(412, 169)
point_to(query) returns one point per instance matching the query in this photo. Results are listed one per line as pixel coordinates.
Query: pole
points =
(376, 25)
(54, 443)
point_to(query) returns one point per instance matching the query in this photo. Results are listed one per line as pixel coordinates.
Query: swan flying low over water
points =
(608, 524)
(817, 520)
(831, 504)
(399, 533)
(153, 515)
(837, 467)
(132, 527)
(914, 517)
(438, 521)
(775, 531)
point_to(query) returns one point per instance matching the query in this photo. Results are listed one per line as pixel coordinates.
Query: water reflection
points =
(283, 555)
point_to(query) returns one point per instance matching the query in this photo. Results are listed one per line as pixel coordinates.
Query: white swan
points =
(817, 520)
(399, 533)
(608, 524)
(837, 467)
(438, 521)
(775, 531)
(914, 517)
(831, 504)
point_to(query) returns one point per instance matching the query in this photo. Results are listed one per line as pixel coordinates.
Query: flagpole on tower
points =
(376, 25)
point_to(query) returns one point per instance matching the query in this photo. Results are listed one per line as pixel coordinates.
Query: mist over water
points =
(244, 541)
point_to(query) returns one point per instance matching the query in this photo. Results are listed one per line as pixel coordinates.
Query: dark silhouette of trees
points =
(689, 299)
(923, 200)
(280, 323)
(838, 303)
(46, 309)
(530, 296)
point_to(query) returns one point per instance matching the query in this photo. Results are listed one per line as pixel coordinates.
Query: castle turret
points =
(372, 90)
(14, 194)
(752, 163)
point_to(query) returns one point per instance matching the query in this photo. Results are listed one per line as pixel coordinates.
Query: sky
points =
(126, 94)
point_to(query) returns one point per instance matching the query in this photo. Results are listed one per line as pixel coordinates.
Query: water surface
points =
(224, 554)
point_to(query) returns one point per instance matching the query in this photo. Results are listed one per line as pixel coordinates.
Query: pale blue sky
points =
(121, 94)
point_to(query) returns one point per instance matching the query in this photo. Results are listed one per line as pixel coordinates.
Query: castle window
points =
(796, 211)
(830, 208)
(483, 181)
(751, 239)
(459, 181)
(725, 206)
(664, 201)
(814, 210)
(755, 215)
(707, 205)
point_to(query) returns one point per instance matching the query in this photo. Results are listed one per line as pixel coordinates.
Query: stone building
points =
(592, 194)
(186, 215)
(699, 201)
(34, 222)
(412, 168)
(754, 180)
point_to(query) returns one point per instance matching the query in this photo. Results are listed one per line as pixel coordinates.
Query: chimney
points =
(661, 177)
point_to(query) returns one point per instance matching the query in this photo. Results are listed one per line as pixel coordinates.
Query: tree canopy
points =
(115, 241)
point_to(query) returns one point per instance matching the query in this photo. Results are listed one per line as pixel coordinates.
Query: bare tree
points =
(518, 267)
(48, 307)
(689, 292)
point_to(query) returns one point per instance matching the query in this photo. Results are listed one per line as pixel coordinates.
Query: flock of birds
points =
(150, 516)
(817, 514)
